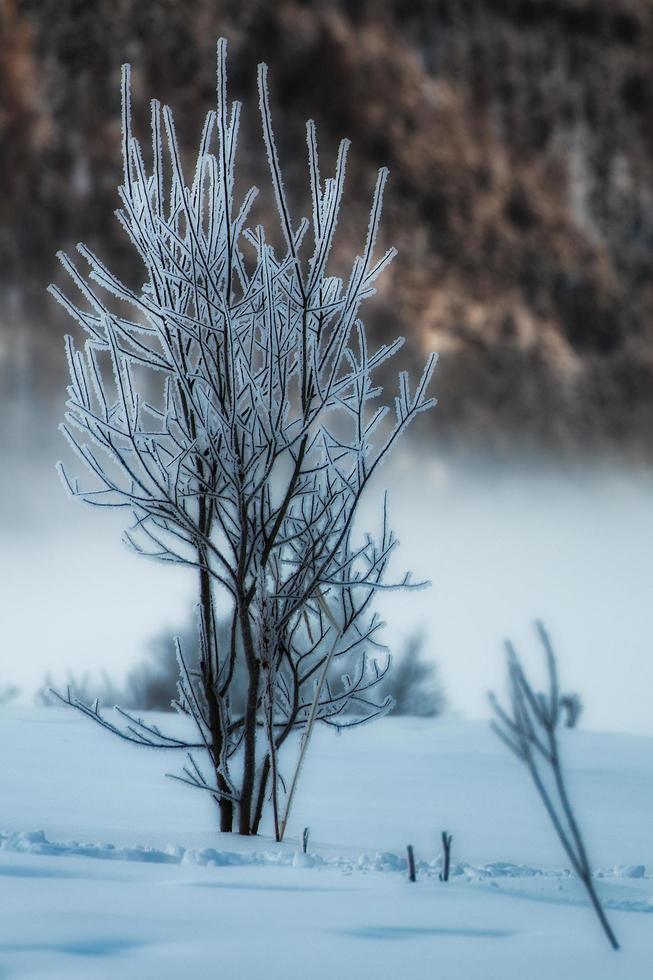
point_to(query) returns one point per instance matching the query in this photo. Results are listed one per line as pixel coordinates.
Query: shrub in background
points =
(413, 683)
(8, 694)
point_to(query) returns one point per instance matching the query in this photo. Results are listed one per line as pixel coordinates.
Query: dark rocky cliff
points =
(519, 134)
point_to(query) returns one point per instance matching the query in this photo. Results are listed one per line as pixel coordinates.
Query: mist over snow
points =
(502, 546)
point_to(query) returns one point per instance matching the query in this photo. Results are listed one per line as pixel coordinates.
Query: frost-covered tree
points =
(230, 404)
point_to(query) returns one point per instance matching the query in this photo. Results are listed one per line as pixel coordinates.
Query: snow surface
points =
(107, 869)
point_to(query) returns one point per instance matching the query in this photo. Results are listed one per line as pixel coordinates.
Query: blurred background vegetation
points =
(413, 683)
(519, 135)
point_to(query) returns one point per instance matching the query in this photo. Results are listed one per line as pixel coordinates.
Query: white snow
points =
(107, 869)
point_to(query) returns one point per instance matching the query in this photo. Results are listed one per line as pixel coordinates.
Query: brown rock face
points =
(519, 135)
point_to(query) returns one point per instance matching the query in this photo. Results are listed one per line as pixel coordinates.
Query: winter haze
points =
(501, 546)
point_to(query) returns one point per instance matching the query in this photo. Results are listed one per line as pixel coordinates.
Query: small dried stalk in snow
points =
(446, 856)
(411, 863)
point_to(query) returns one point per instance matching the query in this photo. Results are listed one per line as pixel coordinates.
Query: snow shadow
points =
(100, 946)
(240, 886)
(614, 900)
(411, 932)
(17, 871)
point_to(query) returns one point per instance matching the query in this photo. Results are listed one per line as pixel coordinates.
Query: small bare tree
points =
(530, 730)
(230, 404)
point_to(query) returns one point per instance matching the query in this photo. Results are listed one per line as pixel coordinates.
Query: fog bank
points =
(501, 547)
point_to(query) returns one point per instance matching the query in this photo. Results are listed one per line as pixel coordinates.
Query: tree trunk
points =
(260, 799)
(226, 808)
(209, 667)
(251, 711)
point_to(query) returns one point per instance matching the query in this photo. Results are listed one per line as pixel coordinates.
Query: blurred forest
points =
(519, 136)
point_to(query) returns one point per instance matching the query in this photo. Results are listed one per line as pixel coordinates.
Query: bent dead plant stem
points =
(530, 731)
(306, 737)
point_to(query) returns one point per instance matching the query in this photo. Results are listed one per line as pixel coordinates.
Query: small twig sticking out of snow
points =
(411, 863)
(305, 835)
(530, 730)
(446, 851)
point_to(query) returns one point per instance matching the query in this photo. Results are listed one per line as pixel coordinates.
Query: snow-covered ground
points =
(107, 869)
